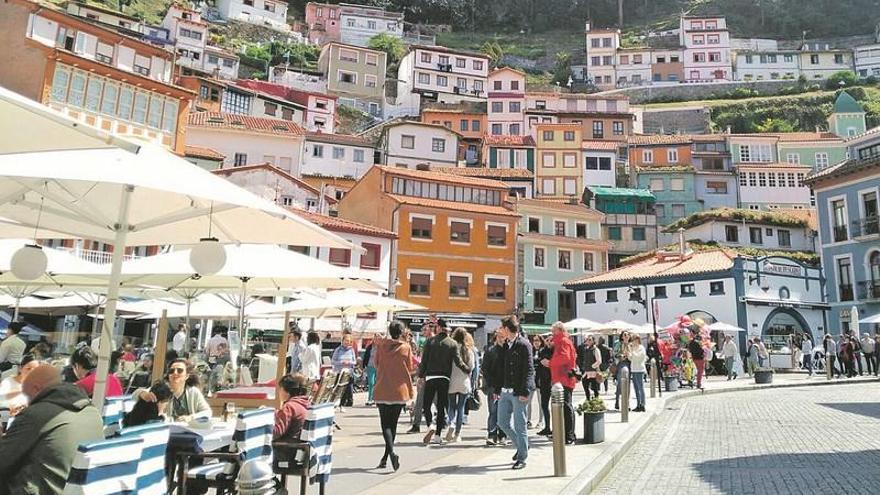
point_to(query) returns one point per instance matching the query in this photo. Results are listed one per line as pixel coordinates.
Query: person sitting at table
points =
(11, 395)
(38, 450)
(187, 401)
(289, 418)
(85, 364)
(145, 412)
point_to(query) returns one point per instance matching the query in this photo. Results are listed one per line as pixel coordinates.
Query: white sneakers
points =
(450, 435)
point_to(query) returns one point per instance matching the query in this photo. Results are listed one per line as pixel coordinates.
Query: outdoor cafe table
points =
(187, 440)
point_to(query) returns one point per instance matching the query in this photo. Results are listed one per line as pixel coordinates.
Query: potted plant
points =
(593, 411)
(763, 375)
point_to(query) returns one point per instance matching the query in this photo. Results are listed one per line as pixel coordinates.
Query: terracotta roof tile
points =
(453, 205)
(218, 120)
(444, 177)
(202, 152)
(275, 170)
(512, 141)
(599, 145)
(487, 173)
(323, 137)
(655, 267)
(659, 139)
(337, 224)
(843, 168)
(564, 205)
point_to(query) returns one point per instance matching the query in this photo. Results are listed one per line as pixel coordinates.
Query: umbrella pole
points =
(112, 296)
(282, 356)
(161, 347)
(95, 321)
(186, 344)
(15, 313)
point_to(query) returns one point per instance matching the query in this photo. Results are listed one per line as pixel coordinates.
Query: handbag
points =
(474, 401)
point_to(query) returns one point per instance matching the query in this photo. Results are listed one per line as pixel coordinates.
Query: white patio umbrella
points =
(208, 307)
(62, 270)
(616, 326)
(854, 321)
(580, 324)
(345, 303)
(725, 327)
(64, 178)
(875, 319)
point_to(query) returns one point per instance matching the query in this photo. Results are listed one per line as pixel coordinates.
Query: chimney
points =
(681, 244)
(728, 130)
(587, 26)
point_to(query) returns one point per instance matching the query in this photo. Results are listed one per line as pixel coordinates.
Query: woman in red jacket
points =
(562, 366)
(394, 367)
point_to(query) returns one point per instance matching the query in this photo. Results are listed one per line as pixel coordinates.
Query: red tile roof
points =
(323, 137)
(568, 241)
(275, 170)
(488, 173)
(512, 141)
(443, 177)
(657, 267)
(659, 139)
(453, 205)
(336, 224)
(279, 91)
(563, 205)
(599, 145)
(218, 120)
(202, 152)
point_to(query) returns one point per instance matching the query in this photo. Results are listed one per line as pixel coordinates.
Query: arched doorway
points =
(780, 323)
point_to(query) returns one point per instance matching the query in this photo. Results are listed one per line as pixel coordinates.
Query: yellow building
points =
(558, 170)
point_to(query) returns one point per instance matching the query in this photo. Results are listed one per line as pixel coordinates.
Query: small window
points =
(568, 135)
(581, 230)
(688, 290)
(784, 237)
(534, 225)
(559, 228)
(564, 261)
(340, 257)
(589, 262)
(338, 153)
(539, 253)
(421, 228)
(589, 298)
(660, 292)
(756, 235)
(611, 296)
(638, 233)
(496, 289)
(372, 256)
(716, 288)
(539, 298)
(614, 233)
(240, 159)
(318, 151)
(731, 233)
(548, 135)
(438, 145)
(458, 286)
(419, 284)
(459, 232)
(496, 235)
(408, 142)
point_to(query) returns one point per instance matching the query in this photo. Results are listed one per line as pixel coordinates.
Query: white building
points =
(772, 185)
(190, 35)
(766, 65)
(789, 230)
(507, 99)
(770, 297)
(821, 60)
(273, 184)
(600, 162)
(297, 79)
(634, 66)
(272, 13)
(246, 140)
(867, 60)
(359, 23)
(602, 47)
(411, 144)
(336, 155)
(439, 74)
(706, 43)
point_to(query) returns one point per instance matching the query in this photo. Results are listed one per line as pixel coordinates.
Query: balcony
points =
(839, 233)
(846, 292)
(869, 290)
(866, 226)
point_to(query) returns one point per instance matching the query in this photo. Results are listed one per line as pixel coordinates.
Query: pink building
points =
(706, 43)
(507, 101)
(322, 21)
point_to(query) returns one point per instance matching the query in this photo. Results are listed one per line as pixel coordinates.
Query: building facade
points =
(410, 144)
(190, 35)
(820, 61)
(319, 108)
(772, 230)
(506, 102)
(601, 162)
(439, 74)
(466, 118)
(558, 173)
(558, 242)
(336, 155)
(359, 23)
(767, 65)
(356, 75)
(847, 198)
(271, 13)
(278, 186)
(630, 221)
(715, 180)
(92, 73)
(674, 190)
(706, 43)
(602, 47)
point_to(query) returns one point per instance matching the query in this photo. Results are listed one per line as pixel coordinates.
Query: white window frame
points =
(535, 266)
(672, 155)
(647, 156)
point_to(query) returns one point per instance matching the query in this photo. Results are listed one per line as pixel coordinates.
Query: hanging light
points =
(208, 256)
(29, 262)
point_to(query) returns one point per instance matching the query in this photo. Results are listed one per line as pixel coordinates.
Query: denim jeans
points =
(492, 422)
(638, 381)
(455, 411)
(512, 421)
(728, 363)
(371, 382)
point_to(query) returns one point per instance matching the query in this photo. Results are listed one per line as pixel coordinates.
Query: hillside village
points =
(474, 190)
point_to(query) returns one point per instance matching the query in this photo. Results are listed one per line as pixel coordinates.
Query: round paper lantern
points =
(29, 262)
(208, 256)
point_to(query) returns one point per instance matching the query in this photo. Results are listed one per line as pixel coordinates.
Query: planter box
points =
(762, 377)
(671, 383)
(594, 427)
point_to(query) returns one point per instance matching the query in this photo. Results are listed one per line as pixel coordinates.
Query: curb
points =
(590, 477)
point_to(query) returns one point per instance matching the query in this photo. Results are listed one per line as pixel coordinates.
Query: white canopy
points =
(580, 324)
(724, 327)
(345, 303)
(616, 326)
(63, 269)
(875, 319)
(210, 306)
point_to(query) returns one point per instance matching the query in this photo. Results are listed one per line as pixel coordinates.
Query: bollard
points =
(557, 399)
(623, 382)
(653, 377)
(828, 367)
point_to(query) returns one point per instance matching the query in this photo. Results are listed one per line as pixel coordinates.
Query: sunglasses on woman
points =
(178, 371)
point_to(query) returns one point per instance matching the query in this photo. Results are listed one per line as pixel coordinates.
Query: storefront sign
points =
(776, 269)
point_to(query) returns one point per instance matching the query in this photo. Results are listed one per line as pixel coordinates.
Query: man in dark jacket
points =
(517, 383)
(492, 385)
(39, 447)
(440, 353)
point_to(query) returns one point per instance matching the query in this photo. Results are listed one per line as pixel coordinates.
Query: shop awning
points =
(533, 329)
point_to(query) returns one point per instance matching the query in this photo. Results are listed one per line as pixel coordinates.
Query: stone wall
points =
(690, 92)
(687, 120)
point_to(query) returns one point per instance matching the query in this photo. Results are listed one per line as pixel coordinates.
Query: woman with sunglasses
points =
(187, 401)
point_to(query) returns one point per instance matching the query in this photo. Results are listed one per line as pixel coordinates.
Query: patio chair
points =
(151, 466)
(105, 467)
(112, 415)
(341, 383)
(252, 439)
(325, 388)
(311, 457)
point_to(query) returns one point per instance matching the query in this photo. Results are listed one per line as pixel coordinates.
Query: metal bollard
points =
(623, 382)
(653, 377)
(557, 399)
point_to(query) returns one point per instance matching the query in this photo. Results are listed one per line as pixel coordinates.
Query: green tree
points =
(494, 51)
(842, 79)
(393, 47)
(562, 69)
(775, 125)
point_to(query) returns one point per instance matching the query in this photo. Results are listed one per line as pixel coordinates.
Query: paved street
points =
(801, 440)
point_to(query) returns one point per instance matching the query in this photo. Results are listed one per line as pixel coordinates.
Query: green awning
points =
(533, 329)
(620, 192)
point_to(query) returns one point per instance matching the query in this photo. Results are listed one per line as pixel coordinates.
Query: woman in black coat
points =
(542, 379)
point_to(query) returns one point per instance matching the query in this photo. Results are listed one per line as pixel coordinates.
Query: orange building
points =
(456, 246)
(655, 150)
(94, 73)
(469, 119)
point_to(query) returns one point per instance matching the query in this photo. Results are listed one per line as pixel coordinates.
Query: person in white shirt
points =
(12, 348)
(807, 350)
(638, 358)
(869, 347)
(311, 357)
(729, 352)
(179, 342)
(218, 346)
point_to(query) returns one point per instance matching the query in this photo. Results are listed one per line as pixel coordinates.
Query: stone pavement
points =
(789, 441)
(470, 467)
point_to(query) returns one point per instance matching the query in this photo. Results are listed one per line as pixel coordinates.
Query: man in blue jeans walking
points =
(517, 382)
